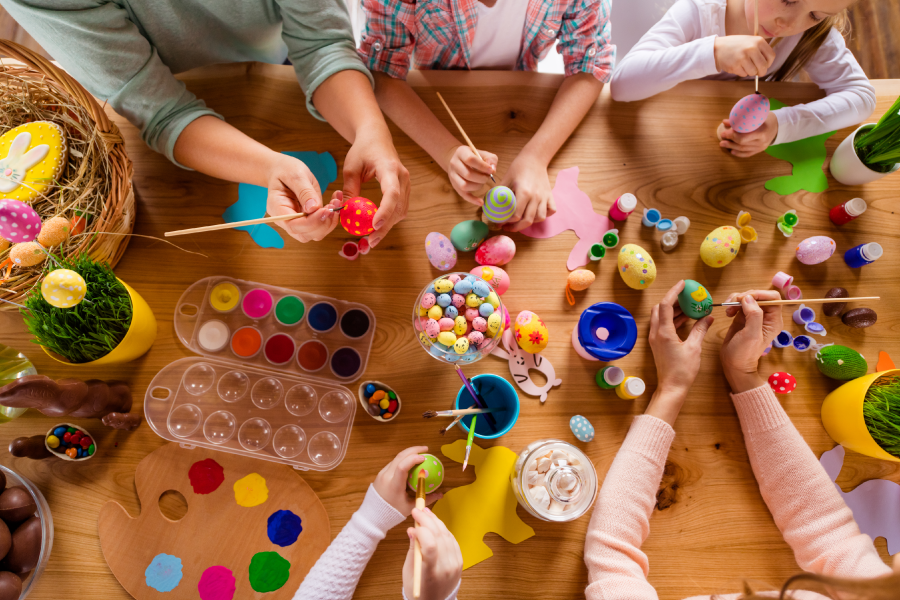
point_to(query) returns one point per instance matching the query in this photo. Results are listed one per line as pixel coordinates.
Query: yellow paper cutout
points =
(486, 505)
(251, 490)
(27, 170)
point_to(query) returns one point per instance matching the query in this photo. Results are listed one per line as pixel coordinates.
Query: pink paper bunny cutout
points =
(519, 364)
(573, 211)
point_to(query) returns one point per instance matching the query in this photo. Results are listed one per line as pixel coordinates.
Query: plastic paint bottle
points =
(863, 254)
(846, 212)
(609, 377)
(622, 207)
(631, 388)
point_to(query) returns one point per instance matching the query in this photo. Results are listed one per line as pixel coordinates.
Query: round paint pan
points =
(257, 304)
(322, 317)
(312, 355)
(355, 323)
(213, 335)
(279, 349)
(290, 310)
(224, 297)
(246, 342)
(345, 363)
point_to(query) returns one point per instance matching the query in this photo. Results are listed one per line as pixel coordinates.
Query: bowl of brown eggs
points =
(26, 535)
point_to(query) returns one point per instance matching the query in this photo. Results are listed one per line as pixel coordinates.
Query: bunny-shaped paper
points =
(520, 362)
(35, 155)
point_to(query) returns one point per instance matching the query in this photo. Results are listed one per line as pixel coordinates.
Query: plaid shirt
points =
(438, 34)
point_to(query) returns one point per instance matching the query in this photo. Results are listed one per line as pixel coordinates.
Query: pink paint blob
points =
(216, 583)
(257, 304)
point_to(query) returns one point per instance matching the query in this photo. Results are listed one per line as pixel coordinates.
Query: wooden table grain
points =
(711, 529)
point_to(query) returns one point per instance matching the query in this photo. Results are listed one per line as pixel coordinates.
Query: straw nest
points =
(96, 181)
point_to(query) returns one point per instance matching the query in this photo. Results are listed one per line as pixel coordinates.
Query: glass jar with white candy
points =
(554, 481)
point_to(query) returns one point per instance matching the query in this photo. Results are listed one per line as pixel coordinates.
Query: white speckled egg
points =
(749, 113)
(720, 246)
(441, 253)
(816, 249)
(636, 267)
(581, 428)
(497, 250)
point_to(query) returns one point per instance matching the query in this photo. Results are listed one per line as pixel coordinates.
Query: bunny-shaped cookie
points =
(519, 364)
(34, 155)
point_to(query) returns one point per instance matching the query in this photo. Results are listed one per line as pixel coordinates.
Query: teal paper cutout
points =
(807, 157)
(251, 202)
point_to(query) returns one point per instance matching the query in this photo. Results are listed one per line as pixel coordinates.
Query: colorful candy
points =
(71, 442)
(381, 401)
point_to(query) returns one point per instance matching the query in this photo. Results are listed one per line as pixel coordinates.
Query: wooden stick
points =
(454, 422)
(462, 131)
(459, 412)
(417, 553)
(240, 223)
(803, 301)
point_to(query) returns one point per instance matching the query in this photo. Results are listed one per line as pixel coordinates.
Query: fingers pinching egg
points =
(499, 204)
(750, 113)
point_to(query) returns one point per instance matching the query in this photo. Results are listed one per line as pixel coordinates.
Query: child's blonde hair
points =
(809, 44)
(879, 588)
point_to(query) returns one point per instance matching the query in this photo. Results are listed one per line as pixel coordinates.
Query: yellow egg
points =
(461, 345)
(473, 301)
(636, 267)
(435, 312)
(531, 333)
(423, 311)
(63, 288)
(460, 325)
(443, 286)
(447, 338)
(493, 300)
(493, 323)
(720, 246)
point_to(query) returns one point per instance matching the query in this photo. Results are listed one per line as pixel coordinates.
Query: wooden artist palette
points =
(283, 529)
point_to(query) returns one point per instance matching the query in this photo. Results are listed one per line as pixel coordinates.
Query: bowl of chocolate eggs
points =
(26, 535)
(458, 318)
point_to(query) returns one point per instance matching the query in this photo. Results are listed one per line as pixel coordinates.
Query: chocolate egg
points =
(749, 113)
(720, 246)
(2, 481)
(357, 215)
(694, 300)
(16, 504)
(5, 539)
(25, 549)
(859, 318)
(441, 253)
(531, 333)
(815, 250)
(10, 586)
(497, 250)
(636, 267)
(495, 276)
(468, 235)
(834, 309)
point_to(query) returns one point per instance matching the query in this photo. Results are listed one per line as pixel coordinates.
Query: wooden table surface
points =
(712, 532)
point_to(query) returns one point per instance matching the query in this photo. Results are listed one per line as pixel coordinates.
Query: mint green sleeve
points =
(320, 43)
(103, 49)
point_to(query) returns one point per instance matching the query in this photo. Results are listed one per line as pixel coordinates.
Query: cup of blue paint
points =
(498, 394)
(322, 317)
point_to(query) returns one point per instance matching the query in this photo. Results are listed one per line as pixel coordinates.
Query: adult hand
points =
(745, 145)
(743, 55)
(391, 481)
(752, 330)
(468, 173)
(528, 179)
(441, 558)
(292, 189)
(373, 155)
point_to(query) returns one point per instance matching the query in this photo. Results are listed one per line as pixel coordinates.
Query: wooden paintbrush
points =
(459, 412)
(465, 137)
(242, 223)
(454, 422)
(802, 301)
(417, 551)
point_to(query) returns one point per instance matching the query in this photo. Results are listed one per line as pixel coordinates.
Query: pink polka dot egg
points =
(749, 113)
(18, 221)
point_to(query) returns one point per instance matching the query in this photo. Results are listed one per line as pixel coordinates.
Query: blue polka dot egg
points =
(581, 428)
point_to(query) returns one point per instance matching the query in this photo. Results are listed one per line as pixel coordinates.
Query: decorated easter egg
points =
(580, 279)
(506, 321)
(18, 222)
(497, 250)
(432, 329)
(749, 113)
(54, 231)
(434, 473)
(494, 322)
(720, 246)
(782, 383)
(442, 286)
(28, 254)
(468, 235)
(475, 337)
(499, 204)
(63, 288)
(461, 345)
(581, 428)
(495, 276)
(531, 333)
(480, 324)
(816, 249)
(695, 300)
(441, 255)
(636, 267)
(447, 338)
(32, 157)
(357, 215)
(840, 362)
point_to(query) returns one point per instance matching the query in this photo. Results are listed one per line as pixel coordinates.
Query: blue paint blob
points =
(322, 316)
(163, 573)
(284, 527)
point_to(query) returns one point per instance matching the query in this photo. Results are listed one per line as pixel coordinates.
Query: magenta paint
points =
(257, 304)
(216, 583)
(622, 207)
(279, 349)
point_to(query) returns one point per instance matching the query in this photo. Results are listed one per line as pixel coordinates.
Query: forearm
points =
(404, 107)
(346, 101)
(666, 404)
(574, 99)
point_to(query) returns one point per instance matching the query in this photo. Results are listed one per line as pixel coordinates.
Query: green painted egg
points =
(841, 363)
(720, 246)
(434, 473)
(695, 300)
(468, 235)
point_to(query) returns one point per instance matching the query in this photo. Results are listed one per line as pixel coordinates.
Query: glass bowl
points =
(43, 511)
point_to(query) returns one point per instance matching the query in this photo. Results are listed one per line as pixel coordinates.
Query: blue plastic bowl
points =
(497, 393)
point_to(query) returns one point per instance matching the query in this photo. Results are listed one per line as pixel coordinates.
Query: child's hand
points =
(743, 55)
(293, 188)
(468, 173)
(528, 179)
(391, 481)
(441, 558)
(745, 145)
(752, 330)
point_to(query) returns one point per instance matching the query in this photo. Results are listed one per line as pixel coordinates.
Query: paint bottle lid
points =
(681, 225)
(597, 252)
(634, 386)
(613, 376)
(855, 207)
(871, 251)
(626, 202)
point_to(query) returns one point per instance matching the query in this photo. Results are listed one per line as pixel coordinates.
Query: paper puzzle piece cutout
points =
(875, 503)
(884, 362)
(486, 505)
(573, 211)
(520, 362)
(251, 202)
(807, 157)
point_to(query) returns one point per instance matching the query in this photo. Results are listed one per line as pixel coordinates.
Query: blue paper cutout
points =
(251, 202)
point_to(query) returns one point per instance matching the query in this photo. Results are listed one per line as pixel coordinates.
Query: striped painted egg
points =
(499, 204)
(749, 113)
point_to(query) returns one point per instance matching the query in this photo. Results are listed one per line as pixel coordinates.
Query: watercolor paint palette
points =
(298, 421)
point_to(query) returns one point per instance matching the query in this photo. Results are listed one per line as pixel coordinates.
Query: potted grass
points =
(864, 415)
(871, 152)
(112, 324)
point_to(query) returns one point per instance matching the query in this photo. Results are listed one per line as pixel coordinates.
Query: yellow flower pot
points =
(137, 340)
(842, 416)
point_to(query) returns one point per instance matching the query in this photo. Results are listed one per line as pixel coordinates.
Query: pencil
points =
(462, 131)
(417, 553)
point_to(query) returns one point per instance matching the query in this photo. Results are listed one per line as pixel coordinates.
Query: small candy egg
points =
(485, 310)
(815, 250)
(384, 402)
(468, 235)
(63, 288)
(458, 300)
(721, 246)
(476, 337)
(499, 204)
(460, 326)
(461, 345)
(454, 278)
(497, 250)
(531, 333)
(446, 324)
(451, 312)
(441, 253)
(462, 287)
(494, 322)
(749, 113)
(581, 428)
(481, 289)
(435, 312)
(423, 311)
(357, 215)
(430, 289)
(493, 299)
(473, 300)
(444, 300)
(52, 441)
(443, 286)
(497, 277)
(636, 267)
(428, 300)
(479, 324)
(447, 338)
(432, 328)
(471, 314)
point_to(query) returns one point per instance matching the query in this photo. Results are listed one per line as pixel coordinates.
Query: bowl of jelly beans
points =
(379, 400)
(458, 317)
(70, 442)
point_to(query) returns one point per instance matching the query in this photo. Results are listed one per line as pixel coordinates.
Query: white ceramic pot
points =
(846, 166)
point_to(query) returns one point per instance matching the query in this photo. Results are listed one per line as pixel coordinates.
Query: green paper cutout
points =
(807, 157)
(268, 571)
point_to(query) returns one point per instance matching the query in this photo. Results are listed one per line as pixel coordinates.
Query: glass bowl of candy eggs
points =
(459, 318)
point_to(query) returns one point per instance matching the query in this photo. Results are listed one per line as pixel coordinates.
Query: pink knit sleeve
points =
(617, 568)
(807, 509)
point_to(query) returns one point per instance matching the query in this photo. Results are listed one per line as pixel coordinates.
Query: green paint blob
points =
(807, 157)
(268, 571)
(290, 310)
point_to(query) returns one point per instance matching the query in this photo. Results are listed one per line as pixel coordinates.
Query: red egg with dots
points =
(782, 383)
(357, 215)
(749, 113)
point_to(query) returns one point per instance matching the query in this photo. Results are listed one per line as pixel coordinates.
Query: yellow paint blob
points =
(225, 296)
(251, 490)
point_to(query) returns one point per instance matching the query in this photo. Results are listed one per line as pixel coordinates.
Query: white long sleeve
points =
(681, 47)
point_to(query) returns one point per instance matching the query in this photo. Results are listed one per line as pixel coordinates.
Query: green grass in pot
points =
(879, 147)
(881, 411)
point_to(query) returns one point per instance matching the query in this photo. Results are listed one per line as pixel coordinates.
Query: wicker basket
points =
(101, 177)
